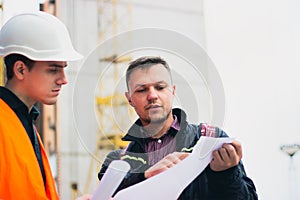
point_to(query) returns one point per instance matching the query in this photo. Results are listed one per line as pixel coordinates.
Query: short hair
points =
(10, 60)
(144, 63)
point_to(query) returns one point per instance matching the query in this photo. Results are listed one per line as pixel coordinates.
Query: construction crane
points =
(110, 139)
(109, 103)
(109, 16)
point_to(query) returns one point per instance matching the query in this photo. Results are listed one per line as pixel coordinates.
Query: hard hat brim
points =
(53, 55)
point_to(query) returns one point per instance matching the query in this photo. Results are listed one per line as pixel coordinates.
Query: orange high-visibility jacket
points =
(20, 175)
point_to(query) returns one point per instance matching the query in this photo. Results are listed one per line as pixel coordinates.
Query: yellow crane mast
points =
(112, 15)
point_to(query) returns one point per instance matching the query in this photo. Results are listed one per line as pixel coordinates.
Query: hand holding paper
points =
(169, 184)
(227, 156)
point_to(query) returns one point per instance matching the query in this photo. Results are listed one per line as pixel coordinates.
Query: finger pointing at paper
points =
(229, 155)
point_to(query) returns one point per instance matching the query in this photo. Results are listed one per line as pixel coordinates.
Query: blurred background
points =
(254, 45)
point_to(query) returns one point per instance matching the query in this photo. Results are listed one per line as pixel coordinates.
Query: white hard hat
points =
(39, 36)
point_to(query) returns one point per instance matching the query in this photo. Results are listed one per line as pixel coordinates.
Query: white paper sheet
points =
(169, 184)
(112, 178)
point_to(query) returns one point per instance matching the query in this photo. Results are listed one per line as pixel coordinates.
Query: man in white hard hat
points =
(36, 48)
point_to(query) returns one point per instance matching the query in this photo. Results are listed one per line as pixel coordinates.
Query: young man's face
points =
(44, 81)
(151, 93)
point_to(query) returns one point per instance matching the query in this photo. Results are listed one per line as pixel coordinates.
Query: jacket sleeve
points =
(231, 184)
(111, 156)
(135, 175)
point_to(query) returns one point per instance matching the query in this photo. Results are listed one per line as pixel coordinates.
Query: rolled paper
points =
(110, 181)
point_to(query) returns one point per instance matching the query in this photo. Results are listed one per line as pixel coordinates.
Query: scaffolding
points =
(113, 16)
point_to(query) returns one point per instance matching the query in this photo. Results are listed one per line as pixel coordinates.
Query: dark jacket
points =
(231, 184)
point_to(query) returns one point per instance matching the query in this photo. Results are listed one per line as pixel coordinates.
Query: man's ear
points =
(129, 98)
(19, 69)
(173, 89)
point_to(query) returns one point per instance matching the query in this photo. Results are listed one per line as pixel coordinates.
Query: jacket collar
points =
(135, 133)
(16, 104)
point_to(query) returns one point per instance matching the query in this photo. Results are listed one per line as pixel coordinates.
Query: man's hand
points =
(229, 155)
(166, 163)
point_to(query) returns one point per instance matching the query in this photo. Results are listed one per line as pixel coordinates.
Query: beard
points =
(155, 122)
(156, 118)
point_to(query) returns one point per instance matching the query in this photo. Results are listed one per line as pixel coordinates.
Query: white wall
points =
(255, 45)
(10, 9)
